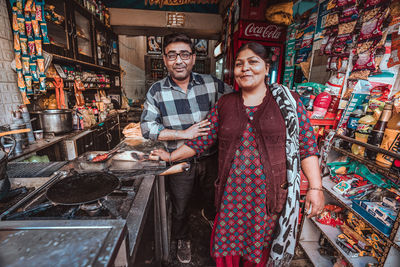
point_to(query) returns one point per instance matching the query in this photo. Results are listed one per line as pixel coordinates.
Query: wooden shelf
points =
(331, 234)
(68, 80)
(83, 63)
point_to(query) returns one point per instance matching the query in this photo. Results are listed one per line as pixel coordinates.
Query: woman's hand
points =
(197, 129)
(162, 154)
(317, 200)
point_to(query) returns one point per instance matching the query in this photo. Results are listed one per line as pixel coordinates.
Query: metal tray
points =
(83, 162)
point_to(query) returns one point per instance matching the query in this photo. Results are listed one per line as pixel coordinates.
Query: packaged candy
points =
(370, 14)
(21, 25)
(17, 44)
(346, 28)
(331, 215)
(33, 67)
(28, 25)
(365, 61)
(351, 12)
(24, 45)
(18, 63)
(28, 83)
(25, 65)
(373, 3)
(28, 5)
(364, 46)
(331, 4)
(43, 27)
(36, 28)
(14, 19)
(38, 44)
(40, 63)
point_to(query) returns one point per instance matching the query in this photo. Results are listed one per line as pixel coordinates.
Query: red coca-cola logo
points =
(261, 31)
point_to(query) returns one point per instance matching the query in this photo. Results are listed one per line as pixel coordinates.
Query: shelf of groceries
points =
(360, 223)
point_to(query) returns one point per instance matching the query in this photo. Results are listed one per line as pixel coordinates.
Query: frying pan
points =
(76, 189)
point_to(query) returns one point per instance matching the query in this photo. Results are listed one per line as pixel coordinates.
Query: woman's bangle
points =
(316, 188)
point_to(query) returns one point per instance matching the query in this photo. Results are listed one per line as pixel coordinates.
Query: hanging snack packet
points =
(373, 3)
(24, 45)
(360, 75)
(343, 65)
(364, 46)
(43, 27)
(25, 65)
(40, 63)
(31, 46)
(14, 19)
(21, 24)
(28, 5)
(39, 11)
(42, 81)
(349, 14)
(36, 28)
(332, 19)
(346, 28)
(365, 61)
(370, 14)
(33, 67)
(395, 51)
(18, 62)
(20, 81)
(331, 4)
(324, 42)
(17, 44)
(28, 83)
(332, 63)
(371, 30)
(328, 47)
(28, 25)
(38, 44)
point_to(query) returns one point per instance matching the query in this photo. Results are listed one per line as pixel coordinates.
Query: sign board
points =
(262, 31)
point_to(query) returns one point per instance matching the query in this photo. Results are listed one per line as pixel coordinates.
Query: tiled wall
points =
(10, 97)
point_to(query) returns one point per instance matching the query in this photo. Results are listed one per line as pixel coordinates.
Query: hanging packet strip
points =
(343, 3)
(43, 27)
(25, 65)
(373, 3)
(39, 10)
(28, 5)
(370, 14)
(40, 64)
(20, 81)
(28, 83)
(32, 49)
(18, 62)
(21, 24)
(395, 51)
(17, 44)
(38, 44)
(371, 29)
(24, 45)
(14, 19)
(42, 81)
(35, 75)
(36, 28)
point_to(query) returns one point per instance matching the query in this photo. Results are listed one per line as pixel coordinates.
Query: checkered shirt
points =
(167, 106)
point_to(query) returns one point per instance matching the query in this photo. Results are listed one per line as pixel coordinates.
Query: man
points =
(174, 111)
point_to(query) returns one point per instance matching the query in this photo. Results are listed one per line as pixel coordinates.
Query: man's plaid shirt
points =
(167, 106)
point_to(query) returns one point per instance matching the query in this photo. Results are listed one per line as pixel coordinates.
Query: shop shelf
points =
(311, 249)
(328, 184)
(322, 122)
(371, 165)
(83, 63)
(331, 233)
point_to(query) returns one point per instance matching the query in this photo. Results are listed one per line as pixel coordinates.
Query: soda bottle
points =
(364, 128)
(376, 136)
(391, 141)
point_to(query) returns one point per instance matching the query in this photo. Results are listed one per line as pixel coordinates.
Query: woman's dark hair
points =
(257, 49)
(177, 37)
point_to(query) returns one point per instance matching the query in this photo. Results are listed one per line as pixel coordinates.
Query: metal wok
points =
(77, 189)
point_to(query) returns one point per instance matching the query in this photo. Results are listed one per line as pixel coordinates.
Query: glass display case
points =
(82, 31)
(59, 30)
(114, 50)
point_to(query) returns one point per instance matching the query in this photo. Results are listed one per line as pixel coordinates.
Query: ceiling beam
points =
(135, 22)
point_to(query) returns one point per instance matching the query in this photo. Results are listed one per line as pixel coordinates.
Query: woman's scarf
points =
(282, 249)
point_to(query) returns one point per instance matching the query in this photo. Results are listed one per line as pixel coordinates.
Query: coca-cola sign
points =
(262, 31)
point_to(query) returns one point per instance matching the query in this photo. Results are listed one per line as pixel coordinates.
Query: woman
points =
(263, 136)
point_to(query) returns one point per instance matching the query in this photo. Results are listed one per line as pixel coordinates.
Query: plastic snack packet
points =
(39, 50)
(36, 28)
(40, 63)
(24, 45)
(25, 65)
(43, 27)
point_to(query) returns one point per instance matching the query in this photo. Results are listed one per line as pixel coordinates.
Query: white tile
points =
(7, 98)
(8, 109)
(8, 55)
(16, 98)
(11, 76)
(12, 87)
(3, 77)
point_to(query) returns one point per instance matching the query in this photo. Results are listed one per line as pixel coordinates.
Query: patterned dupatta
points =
(282, 249)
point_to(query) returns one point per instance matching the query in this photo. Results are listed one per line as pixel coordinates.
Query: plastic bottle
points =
(391, 141)
(364, 128)
(376, 136)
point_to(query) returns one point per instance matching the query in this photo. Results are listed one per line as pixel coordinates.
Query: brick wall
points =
(10, 96)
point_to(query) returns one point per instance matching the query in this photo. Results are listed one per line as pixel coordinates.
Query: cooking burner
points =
(92, 209)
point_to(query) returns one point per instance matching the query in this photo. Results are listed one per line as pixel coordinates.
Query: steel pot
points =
(56, 120)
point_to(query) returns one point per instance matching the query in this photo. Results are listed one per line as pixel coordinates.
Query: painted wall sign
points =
(262, 31)
(200, 6)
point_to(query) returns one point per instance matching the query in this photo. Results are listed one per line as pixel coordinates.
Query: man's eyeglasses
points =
(185, 55)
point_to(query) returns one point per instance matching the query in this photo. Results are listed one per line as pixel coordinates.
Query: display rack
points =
(311, 229)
